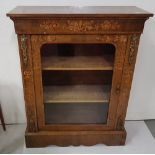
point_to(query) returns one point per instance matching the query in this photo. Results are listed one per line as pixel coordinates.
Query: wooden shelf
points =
(77, 93)
(78, 63)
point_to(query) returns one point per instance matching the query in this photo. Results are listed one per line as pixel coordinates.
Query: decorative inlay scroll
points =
(133, 48)
(48, 24)
(120, 123)
(118, 89)
(28, 82)
(27, 74)
(79, 25)
(43, 39)
(116, 38)
(31, 120)
(127, 78)
(32, 127)
(24, 49)
(109, 24)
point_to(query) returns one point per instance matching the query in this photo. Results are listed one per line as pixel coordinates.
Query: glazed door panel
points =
(77, 80)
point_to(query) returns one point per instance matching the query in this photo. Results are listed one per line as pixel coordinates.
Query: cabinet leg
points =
(2, 119)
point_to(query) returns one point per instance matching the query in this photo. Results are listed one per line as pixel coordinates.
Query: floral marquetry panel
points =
(82, 26)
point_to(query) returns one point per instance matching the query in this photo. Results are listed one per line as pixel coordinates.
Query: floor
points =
(151, 125)
(140, 139)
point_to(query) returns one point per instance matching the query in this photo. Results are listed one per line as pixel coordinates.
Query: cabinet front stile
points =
(28, 81)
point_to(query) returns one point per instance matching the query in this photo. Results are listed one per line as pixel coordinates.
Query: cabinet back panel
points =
(77, 49)
(76, 77)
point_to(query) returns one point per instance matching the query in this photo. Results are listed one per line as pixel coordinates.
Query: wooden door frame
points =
(120, 43)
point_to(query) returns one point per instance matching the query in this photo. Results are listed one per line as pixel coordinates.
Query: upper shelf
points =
(87, 11)
(78, 63)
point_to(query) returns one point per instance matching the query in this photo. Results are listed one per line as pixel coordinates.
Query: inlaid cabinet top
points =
(78, 11)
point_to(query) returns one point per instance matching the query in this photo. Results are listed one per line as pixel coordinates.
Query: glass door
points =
(77, 80)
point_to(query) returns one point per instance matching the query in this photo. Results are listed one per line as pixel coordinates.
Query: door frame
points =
(120, 43)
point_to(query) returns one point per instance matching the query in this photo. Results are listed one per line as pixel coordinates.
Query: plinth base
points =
(75, 138)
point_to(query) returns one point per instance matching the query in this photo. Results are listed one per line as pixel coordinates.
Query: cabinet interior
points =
(77, 81)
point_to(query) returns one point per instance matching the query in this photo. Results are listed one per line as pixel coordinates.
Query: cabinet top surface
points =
(75, 11)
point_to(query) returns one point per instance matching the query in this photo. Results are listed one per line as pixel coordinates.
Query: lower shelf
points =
(77, 93)
(76, 104)
(76, 113)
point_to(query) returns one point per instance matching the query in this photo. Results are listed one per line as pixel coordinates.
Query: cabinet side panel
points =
(128, 70)
(28, 83)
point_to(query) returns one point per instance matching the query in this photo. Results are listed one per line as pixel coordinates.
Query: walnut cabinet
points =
(77, 66)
